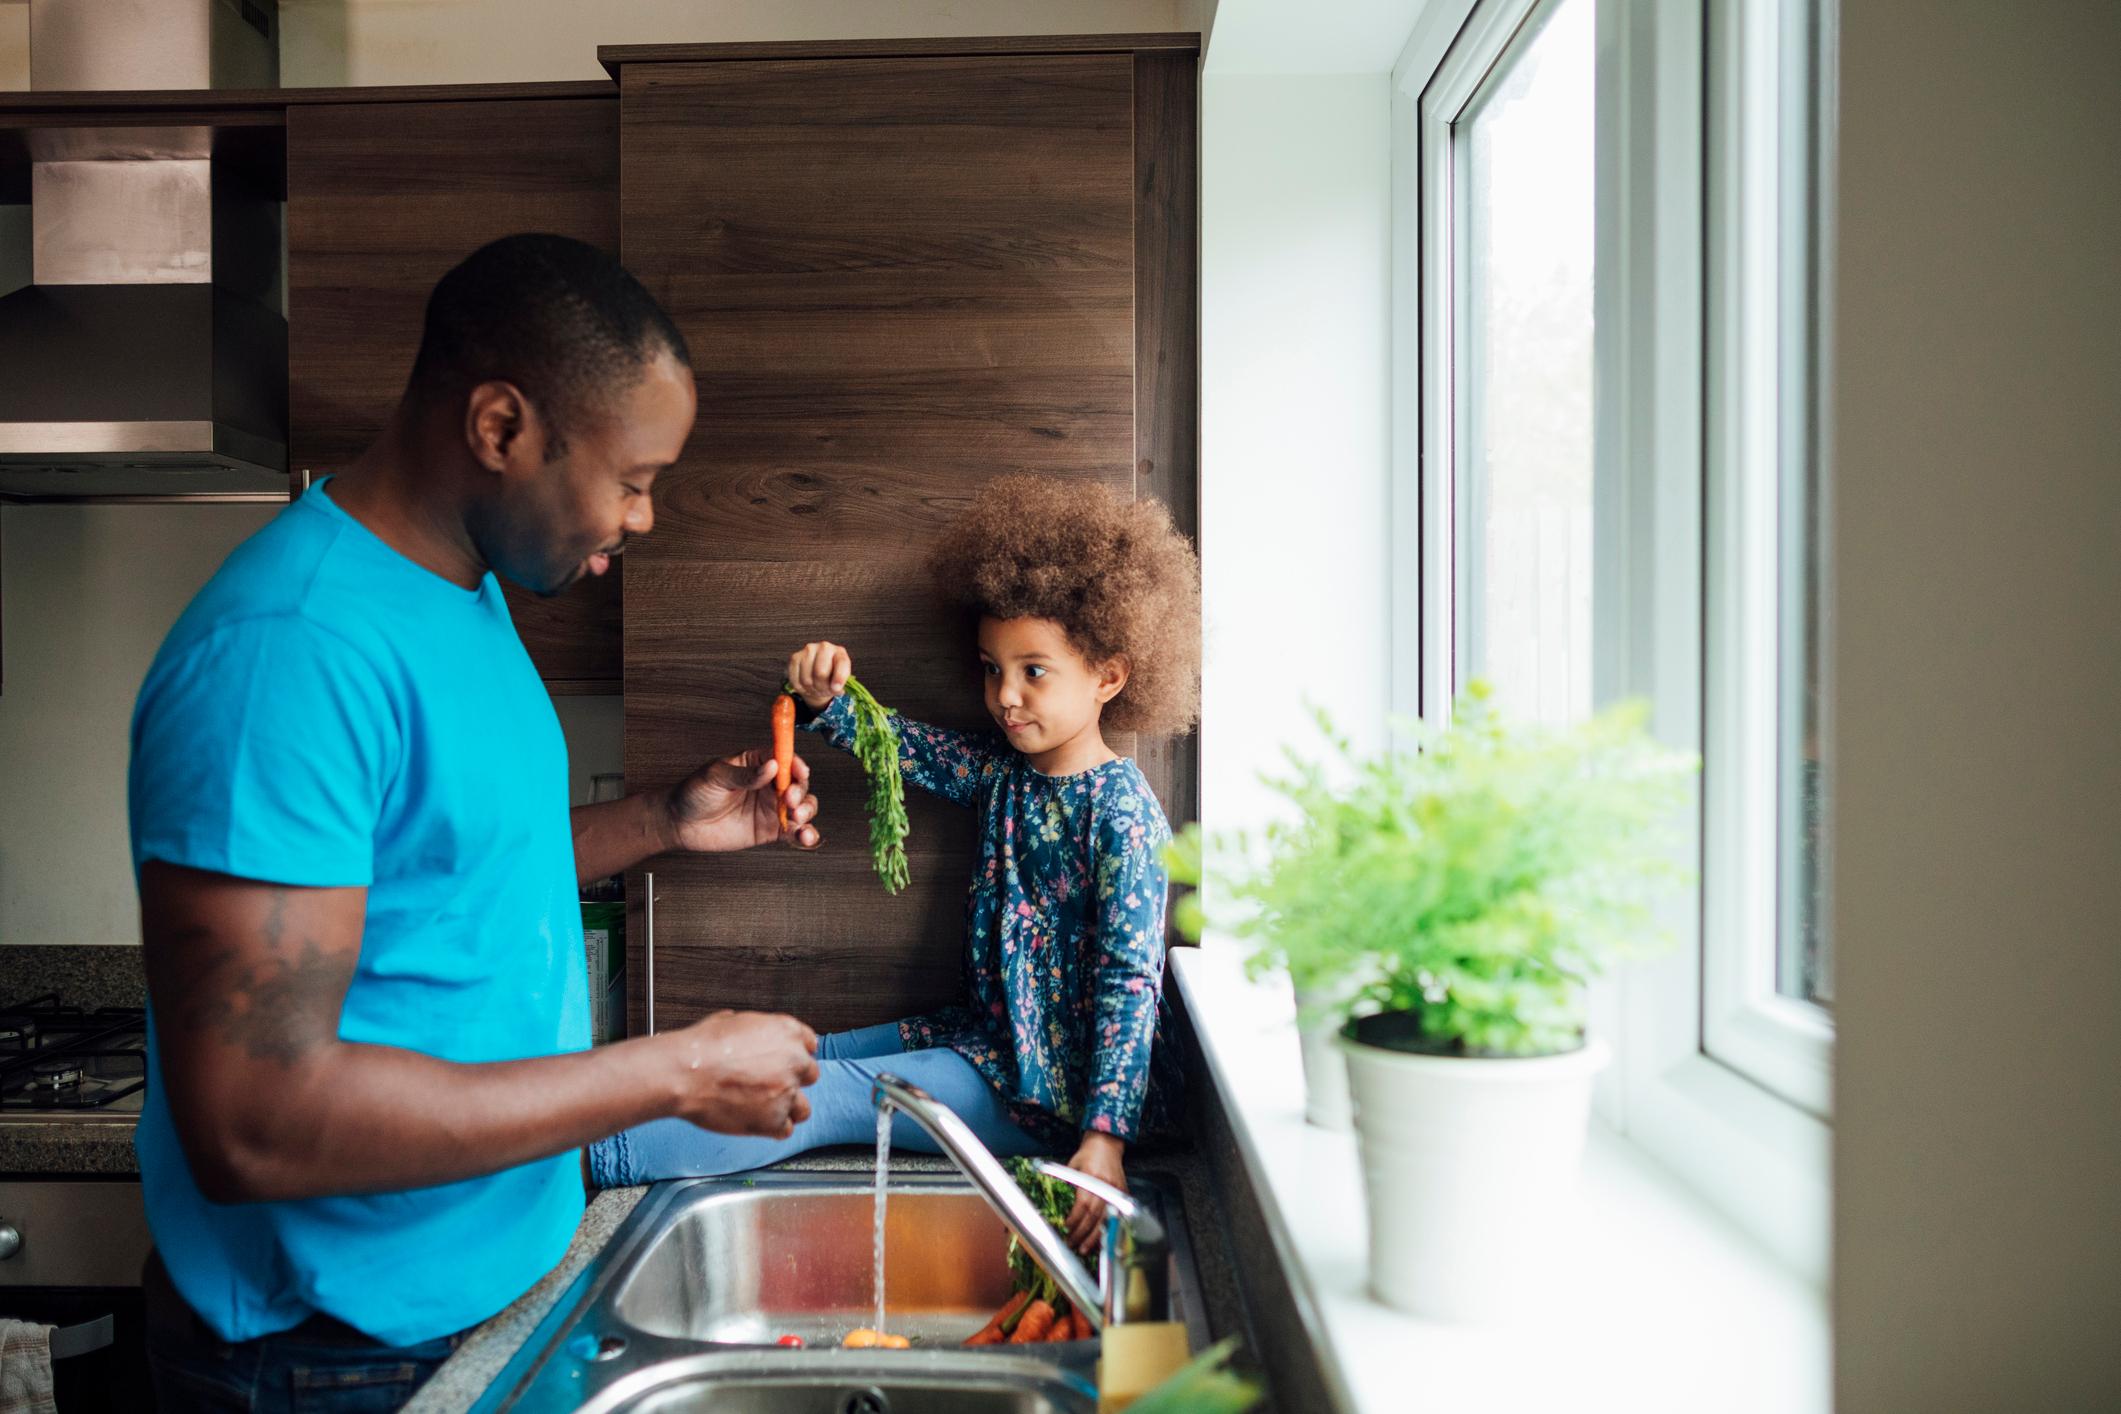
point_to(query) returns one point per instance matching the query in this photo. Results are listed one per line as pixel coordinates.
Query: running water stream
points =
(883, 1173)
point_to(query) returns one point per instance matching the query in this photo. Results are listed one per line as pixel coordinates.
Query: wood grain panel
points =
(576, 637)
(383, 198)
(1167, 340)
(899, 278)
(707, 642)
(616, 56)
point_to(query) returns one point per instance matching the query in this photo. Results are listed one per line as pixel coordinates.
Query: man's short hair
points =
(560, 319)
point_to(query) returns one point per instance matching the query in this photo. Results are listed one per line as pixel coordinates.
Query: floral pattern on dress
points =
(1064, 939)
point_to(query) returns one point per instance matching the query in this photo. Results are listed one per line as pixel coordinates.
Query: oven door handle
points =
(69, 1341)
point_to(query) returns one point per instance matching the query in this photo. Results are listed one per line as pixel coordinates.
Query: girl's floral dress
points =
(1064, 948)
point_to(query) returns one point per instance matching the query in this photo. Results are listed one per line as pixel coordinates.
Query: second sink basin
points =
(849, 1382)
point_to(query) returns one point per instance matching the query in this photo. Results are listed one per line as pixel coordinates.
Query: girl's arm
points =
(938, 760)
(1132, 882)
(942, 762)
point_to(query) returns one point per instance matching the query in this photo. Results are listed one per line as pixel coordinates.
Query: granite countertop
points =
(86, 1143)
(89, 975)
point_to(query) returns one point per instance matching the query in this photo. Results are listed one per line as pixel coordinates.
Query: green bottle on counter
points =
(604, 934)
(604, 939)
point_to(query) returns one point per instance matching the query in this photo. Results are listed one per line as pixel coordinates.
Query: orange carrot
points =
(991, 1333)
(1038, 1320)
(1079, 1327)
(1063, 1328)
(783, 753)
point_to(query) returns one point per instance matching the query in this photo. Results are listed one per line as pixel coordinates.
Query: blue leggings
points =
(841, 1112)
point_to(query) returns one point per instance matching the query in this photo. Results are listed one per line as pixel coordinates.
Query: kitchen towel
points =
(25, 1368)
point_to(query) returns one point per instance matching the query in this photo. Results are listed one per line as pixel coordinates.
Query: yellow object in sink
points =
(1137, 1357)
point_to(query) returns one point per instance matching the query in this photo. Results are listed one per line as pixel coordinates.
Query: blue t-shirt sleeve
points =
(264, 751)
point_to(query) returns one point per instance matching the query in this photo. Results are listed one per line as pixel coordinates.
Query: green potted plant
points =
(1451, 896)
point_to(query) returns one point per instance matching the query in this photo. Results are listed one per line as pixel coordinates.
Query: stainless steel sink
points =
(682, 1308)
(850, 1382)
(752, 1265)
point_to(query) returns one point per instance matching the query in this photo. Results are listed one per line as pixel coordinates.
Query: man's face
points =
(561, 518)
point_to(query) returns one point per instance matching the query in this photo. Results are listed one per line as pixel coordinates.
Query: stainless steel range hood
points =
(148, 355)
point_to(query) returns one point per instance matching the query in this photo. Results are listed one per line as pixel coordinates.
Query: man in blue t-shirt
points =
(368, 1045)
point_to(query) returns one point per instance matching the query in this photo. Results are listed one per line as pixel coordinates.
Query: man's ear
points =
(1111, 678)
(502, 428)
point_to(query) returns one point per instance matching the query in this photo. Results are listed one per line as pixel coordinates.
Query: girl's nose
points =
(1006, 694)
(641, 519)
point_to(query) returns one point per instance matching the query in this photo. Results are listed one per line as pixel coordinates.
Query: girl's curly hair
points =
(1109, 569)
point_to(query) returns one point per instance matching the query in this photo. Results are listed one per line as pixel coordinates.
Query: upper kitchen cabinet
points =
(901, 273)
(383, 197)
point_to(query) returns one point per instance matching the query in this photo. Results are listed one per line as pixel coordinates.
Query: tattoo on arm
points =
(277, 1000)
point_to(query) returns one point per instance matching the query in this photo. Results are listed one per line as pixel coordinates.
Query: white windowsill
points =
(1658, 1304)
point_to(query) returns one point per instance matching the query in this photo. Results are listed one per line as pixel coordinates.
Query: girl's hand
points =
(1100, 1157)
(818, 672)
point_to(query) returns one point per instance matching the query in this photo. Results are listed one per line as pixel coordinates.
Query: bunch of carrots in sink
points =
(1036, 1312)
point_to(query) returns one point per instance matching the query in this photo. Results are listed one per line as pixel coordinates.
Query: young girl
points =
(1088, 608)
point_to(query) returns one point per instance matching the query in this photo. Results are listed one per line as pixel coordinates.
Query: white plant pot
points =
(1326, 1101)
(1469, 1168)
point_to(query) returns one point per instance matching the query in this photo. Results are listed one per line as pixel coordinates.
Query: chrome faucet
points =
(1122, 1215)
(1103, 1302)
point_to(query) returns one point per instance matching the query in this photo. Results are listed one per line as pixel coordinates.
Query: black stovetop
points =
(56, 1058)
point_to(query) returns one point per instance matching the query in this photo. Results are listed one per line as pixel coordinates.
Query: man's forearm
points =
(362, 1119)
(614, 835)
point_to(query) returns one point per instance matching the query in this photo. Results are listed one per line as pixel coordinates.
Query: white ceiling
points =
(1309, 36)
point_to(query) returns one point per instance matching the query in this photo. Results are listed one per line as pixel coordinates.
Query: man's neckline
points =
(330, 505)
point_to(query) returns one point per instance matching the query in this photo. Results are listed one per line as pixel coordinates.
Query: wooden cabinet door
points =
(382, 199)
(900, 277)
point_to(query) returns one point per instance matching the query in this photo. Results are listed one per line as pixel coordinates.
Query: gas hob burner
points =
(57, 1059)
(55, 1076)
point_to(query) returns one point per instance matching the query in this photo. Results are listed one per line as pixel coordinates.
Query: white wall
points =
(87, 593)
(1976, 700)
(1295, 444)
(596, 740)
(1304, 37)
(325, 42)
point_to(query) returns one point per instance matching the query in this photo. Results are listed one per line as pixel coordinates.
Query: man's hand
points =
(729, 804)
(818, 672)
(744, 1072)
(1100, 1156)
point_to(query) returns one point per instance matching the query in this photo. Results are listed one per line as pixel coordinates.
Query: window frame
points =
(1752, 1152)
(1482, 41)
(1780, 1042)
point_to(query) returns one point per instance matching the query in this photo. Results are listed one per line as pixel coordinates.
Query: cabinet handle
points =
(648, 953)
(69, 1341)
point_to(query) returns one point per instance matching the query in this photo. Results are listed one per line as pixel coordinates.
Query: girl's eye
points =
(991, 669)
(1034, 671)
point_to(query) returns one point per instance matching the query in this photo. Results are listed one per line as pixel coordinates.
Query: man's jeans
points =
(320, 1367)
